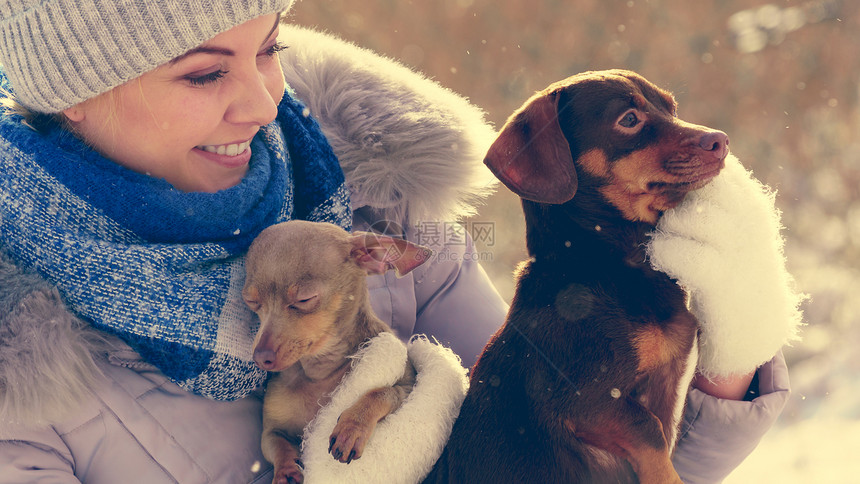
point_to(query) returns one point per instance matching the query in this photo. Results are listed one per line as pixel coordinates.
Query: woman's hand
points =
(731, 388)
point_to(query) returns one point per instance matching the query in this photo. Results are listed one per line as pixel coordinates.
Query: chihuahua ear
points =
(377, 253)
(531, 156)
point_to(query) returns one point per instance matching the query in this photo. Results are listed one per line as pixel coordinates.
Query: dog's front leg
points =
(629, 430)
(281, 450)
(652, 463)
(653, 466)
(355, 425)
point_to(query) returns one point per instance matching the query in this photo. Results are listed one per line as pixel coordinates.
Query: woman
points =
(156, 141)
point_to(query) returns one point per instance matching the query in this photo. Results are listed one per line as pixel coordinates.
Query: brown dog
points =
(306, 281)
(586, 380)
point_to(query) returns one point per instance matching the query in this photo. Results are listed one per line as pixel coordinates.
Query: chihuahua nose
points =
(715, 141)
(264, 358)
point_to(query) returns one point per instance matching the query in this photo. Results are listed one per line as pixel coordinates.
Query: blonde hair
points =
(32, 119)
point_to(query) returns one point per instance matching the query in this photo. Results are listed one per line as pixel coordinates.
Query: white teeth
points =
(229, 150)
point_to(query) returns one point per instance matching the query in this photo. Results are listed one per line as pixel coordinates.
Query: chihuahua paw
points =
(348, 440)
(289, 474)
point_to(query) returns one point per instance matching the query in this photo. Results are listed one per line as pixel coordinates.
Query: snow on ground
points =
(817, 439)
(814, 451)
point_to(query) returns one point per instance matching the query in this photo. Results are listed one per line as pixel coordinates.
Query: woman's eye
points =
(274, 49)
(629, 120)
(207, 78)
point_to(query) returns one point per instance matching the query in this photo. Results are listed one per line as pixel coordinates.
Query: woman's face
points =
(190, 121)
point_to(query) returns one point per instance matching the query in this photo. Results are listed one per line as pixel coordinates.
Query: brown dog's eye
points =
(307, 304)
(629, 119)
(253, 305)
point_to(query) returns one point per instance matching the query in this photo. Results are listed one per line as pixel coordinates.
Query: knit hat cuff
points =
(58, 53)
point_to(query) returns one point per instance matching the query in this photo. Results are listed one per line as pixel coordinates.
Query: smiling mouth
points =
(233, 149)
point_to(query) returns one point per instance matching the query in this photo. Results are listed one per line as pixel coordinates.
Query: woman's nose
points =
(253, 104)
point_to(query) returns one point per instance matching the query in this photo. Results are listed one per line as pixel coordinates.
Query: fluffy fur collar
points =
(410, 149)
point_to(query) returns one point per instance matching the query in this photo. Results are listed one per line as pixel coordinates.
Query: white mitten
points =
(405, 444)
(723, 245)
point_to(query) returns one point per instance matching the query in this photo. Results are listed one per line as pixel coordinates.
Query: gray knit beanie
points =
(58, 53)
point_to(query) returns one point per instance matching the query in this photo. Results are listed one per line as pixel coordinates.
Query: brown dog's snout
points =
(715, 141)
(264, 354)
(264, 358)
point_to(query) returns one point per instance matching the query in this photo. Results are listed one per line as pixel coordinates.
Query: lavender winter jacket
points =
(79, 406)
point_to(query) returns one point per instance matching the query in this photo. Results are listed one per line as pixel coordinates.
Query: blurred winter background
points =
(781, 78)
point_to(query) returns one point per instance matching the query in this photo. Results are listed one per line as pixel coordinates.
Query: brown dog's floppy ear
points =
(531, 156)
(377, 253)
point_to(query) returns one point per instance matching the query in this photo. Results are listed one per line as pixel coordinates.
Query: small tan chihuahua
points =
(306, 282)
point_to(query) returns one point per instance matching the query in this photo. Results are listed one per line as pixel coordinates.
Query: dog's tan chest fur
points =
(293, 399)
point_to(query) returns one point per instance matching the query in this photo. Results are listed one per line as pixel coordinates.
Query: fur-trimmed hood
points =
(46, 353)
(410, 149)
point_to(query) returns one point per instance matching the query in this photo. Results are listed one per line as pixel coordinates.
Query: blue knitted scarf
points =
(160, 268)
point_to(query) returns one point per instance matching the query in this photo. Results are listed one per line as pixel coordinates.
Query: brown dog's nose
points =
(264, 358)
(715, 141)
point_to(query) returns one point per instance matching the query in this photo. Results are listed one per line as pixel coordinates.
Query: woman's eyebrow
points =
(202, 49)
